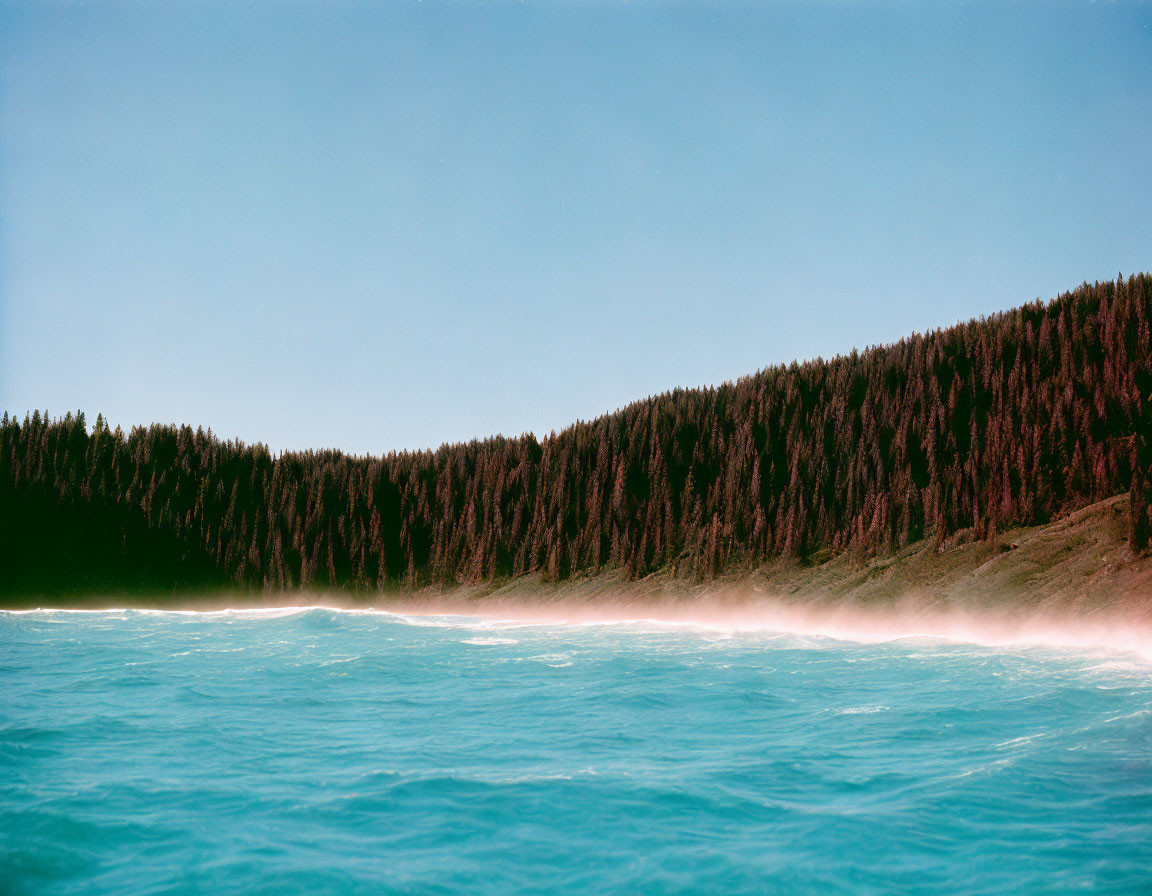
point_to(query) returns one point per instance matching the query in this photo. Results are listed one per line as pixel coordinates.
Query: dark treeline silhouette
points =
(1005, 420)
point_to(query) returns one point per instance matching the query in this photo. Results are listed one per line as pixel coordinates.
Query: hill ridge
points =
(1006, 420)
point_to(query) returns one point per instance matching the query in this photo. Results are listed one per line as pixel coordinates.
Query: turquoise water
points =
(323, 751)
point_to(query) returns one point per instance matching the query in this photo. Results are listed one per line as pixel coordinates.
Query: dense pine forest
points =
(960, 432)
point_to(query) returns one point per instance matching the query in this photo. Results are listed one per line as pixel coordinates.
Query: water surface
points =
(323, 751)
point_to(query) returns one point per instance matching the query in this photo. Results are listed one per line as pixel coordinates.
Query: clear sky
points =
(377, 226)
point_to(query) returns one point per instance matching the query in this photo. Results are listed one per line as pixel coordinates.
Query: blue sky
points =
(379, 227)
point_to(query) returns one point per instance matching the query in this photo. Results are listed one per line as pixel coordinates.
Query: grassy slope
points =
(1079, 564)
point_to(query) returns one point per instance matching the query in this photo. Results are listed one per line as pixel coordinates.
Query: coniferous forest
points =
(1006, 420)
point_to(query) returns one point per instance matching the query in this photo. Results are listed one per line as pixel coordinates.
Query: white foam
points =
(817, 623)
(861, 710)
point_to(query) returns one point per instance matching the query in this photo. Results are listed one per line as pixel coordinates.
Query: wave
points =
(851, 623)
(275, 612)
(902, 621)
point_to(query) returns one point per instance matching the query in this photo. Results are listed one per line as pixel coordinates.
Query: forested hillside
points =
(1005, 420)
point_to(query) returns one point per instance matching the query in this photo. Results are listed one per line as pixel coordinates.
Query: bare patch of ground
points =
(1073, 580)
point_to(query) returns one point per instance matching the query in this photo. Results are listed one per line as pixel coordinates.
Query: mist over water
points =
(330, 751)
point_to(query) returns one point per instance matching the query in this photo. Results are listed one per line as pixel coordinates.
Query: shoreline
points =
(1072, 582)
(725, 616)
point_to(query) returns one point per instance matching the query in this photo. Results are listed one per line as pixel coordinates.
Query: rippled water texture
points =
(359, 752)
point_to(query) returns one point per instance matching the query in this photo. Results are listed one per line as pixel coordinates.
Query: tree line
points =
(1009, 419)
